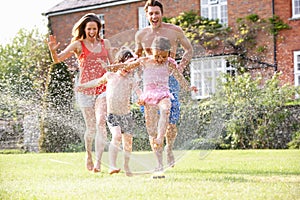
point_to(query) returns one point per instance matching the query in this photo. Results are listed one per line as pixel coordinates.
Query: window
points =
(102, 31)
(296, 8)
(143, 21)
(297, 67)
(205, 73)
(215, 9)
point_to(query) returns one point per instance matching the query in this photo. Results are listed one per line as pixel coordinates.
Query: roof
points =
(69, 6)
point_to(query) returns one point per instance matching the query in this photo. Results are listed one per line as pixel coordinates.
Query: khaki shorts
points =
(84, 100)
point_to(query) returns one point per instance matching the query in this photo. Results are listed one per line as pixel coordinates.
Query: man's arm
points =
(188, 50)
(138, 44)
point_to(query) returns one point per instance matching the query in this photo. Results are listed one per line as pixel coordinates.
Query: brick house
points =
(122, 18)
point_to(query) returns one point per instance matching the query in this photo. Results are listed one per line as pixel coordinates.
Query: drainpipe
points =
(274, 39)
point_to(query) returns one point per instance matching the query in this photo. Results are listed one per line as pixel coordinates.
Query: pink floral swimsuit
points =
(156, 83)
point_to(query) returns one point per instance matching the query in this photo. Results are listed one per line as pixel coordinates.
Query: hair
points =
(123, 54)
(78, 29)
(154, 3)
(161, 43)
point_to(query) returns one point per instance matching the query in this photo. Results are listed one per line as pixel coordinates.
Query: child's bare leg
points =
(170, 139)
(101, 133)
(164, 110)
(127, 147)
(90, 122)
(151, 118)
(114, 149)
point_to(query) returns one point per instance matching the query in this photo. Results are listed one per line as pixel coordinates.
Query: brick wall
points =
(118, 19)
(124, 19)
(288, 40)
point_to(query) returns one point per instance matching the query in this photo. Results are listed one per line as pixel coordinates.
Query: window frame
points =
(214, 9)
(215, 66)
(102, 20)
(294, 14)
(297, 68)
(142, 18)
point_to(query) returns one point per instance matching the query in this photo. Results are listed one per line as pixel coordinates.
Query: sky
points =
(17, 14)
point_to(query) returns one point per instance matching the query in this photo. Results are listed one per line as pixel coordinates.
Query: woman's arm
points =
(66, 53)
(92, 83)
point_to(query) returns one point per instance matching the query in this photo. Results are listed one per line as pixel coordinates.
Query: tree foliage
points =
(250, 38)
(23, 68)
(58, 128)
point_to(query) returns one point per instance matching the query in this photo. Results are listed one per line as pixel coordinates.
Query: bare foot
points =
(96, 170)
(97, 167)
(127, 171)
(171, 161)
(114, 171)
(89, 164)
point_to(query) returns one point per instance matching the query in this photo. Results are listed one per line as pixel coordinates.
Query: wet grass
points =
(236, 174)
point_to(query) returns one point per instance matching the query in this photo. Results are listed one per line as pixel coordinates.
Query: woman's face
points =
(160, 56)
(91, 30)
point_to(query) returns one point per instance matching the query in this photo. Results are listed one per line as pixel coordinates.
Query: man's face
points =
(154, 16)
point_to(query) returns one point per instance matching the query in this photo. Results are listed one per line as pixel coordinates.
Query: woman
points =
(90, 51)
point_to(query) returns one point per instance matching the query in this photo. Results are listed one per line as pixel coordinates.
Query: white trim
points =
(297, 71)
(213, 10)
(294, 15)
(205, 72)
(143, 21)
(90, 8)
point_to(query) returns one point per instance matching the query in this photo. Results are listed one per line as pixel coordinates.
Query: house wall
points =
(121, 23)
(263, 8)
(288, 41)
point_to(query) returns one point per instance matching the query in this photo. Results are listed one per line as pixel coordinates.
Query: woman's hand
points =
(52, 43)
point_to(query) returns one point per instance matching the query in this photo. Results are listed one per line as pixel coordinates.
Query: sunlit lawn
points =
(240, 174)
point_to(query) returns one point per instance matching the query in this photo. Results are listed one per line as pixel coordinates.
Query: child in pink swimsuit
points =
(156, 96)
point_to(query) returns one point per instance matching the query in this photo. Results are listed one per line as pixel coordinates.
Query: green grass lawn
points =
(236, 174)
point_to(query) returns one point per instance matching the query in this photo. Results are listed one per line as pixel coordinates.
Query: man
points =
(143, 40)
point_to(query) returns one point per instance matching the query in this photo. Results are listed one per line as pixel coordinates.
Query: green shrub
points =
(58, 129)
(295, 143)
(251, 114)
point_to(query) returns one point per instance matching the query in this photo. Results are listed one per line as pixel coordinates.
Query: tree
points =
(23, 68)
(31, 85)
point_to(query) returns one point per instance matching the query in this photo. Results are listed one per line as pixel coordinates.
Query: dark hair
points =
(78, 29)
(123, 54)
(154, 3)
(161, 43)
